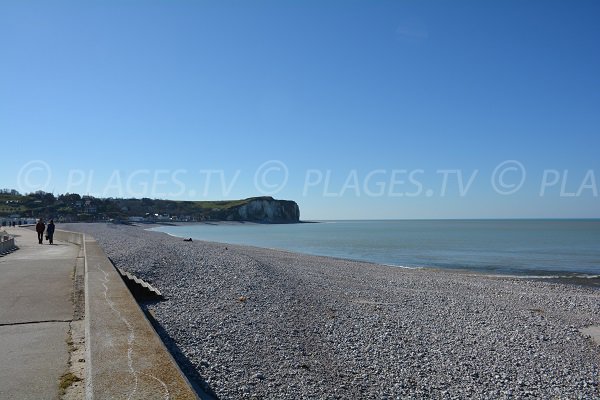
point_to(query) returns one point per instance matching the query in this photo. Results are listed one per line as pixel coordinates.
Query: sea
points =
(523, 248)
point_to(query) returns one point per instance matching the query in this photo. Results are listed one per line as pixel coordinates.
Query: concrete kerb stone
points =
(71, 237)
(125, 357)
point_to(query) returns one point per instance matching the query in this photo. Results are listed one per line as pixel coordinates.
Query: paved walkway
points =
(36, 308)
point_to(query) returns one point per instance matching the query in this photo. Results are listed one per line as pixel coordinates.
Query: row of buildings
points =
(17, 219)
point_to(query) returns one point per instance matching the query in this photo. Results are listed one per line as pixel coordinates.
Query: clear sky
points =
(355, 109)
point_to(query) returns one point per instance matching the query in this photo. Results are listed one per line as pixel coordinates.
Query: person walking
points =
(50, 231)
(40, 227)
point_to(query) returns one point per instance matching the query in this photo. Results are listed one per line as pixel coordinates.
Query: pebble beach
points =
(247, 322)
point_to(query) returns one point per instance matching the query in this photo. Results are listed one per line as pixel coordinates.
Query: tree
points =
(69, 197)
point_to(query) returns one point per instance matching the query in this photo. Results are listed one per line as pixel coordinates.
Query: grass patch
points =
(66, 381)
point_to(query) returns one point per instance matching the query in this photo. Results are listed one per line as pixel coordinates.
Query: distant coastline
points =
(72, 207)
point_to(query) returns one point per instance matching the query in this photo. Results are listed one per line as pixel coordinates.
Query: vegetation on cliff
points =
(73, 207)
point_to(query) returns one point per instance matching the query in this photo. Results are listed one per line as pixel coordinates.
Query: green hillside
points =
(73, 207)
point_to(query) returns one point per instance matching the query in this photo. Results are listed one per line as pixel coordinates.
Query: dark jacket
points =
(40, 227)
(50, 228)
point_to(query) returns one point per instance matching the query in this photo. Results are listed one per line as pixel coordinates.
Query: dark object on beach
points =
(188, 240)
(50, 231)
(40, 227)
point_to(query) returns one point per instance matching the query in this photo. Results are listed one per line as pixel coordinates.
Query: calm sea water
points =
(513, 247)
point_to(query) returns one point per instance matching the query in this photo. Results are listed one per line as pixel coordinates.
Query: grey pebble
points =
(270, 324)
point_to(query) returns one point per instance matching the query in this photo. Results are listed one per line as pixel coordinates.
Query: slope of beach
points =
(258, 323)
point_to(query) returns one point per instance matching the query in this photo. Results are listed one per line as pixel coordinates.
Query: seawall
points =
(125, 358)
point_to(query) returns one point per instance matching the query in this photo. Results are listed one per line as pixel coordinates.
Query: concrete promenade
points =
(66, 313)
(36, 309)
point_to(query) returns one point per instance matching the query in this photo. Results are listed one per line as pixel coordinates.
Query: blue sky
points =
(355, 109)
